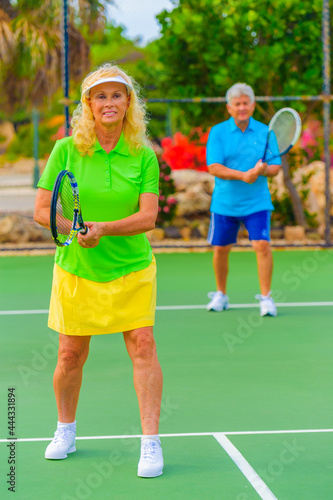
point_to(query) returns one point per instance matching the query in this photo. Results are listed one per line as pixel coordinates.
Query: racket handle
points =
(84, 230)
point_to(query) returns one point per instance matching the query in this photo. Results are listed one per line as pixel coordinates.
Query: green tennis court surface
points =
(247, 404)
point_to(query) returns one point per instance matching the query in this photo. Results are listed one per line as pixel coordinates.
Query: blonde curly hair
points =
(135, 121)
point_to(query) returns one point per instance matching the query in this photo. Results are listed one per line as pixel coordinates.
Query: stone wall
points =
(22, 229)
(193, 193)
(194, 190)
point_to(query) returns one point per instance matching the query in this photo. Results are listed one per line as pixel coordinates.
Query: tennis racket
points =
(284, 131)
(65, 214)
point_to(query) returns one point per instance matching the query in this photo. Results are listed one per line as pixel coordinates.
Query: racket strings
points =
(284, 128)
(65, 209)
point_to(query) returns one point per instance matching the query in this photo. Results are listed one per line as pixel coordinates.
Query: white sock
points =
(65, 425)
(152, 437)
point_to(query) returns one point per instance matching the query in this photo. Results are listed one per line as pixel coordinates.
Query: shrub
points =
(182, 152)
(167, 201)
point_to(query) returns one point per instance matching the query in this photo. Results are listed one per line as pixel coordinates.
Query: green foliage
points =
(22, 144)
(208, 45)
(167, 202)
(112, 46)
(283, 214)
(31, 47)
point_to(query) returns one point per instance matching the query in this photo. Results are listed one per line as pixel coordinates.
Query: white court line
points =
(258, 484)
(184, 307)
(246, 306)
(27, 311)
(181, 434)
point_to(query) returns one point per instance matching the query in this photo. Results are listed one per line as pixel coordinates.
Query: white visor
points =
(118, 79)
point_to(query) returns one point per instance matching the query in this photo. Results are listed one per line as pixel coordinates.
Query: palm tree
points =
(30, 46)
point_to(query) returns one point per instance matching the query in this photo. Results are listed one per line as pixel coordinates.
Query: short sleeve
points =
(57, 161)
(214, 151)
(273, 150)
(150, 173)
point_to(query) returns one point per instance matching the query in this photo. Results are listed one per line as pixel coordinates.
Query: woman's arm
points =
(140, 222)
(42, 207)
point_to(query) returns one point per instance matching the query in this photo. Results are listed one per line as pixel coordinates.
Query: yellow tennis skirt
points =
(82, 307)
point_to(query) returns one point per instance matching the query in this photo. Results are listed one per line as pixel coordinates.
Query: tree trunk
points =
(295, 199)
(7, 7)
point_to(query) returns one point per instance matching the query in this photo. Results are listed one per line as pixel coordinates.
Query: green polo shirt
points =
(109, 185)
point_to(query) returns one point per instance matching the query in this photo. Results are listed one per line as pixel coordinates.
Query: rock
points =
(185, 233)
(19, 229)
(187, 177)
(172, 232)
(7, 133)
(193, 191)
(243, 233)
(24, 166)
(194, 200)
(294, 233)
(313, 235)
(203, 228)
(156, 234)
(310, 179)
(196, 233)
(276, 233)
(179, 221)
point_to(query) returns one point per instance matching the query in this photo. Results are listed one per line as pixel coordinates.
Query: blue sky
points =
(138, 16)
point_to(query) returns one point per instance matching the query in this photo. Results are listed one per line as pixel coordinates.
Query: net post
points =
(168, 121)
(65, 62)
(326, 72)
(35, 119)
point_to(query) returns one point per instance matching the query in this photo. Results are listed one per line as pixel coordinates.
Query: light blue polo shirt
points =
(238, 150)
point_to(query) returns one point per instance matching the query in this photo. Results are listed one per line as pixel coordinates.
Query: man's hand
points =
(261, 167)
(252, 175)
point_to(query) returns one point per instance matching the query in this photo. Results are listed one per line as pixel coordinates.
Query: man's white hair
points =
(238, 90)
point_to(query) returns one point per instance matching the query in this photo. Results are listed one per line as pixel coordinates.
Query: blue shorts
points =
(223, 229)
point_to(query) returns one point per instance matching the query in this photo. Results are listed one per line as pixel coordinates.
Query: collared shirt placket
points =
(108, 171)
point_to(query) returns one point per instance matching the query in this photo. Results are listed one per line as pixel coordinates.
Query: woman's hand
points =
(92, 237)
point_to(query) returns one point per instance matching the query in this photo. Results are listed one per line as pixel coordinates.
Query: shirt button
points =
(106, 162)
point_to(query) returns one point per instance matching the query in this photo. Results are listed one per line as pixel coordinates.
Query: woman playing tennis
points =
(104, 282)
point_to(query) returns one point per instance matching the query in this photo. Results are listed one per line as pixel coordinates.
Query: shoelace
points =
(149, 450)
(211, 295)
(61, 435)
(263, 297)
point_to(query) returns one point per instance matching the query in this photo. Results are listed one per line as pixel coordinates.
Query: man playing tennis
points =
(235, 150)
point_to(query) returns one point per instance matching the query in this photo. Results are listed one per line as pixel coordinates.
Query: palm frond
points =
(7, 39)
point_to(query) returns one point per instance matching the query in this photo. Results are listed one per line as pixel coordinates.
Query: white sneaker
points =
(62, 443)
(267, 306)
(219, 301)
(151, 459)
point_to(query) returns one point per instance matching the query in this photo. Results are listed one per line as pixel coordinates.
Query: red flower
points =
(181, 152)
